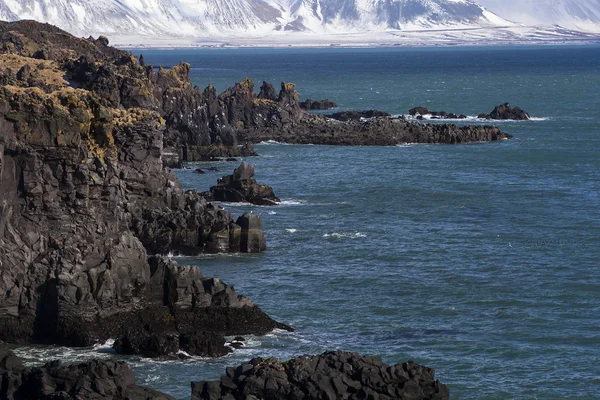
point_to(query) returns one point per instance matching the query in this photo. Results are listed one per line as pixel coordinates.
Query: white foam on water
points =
(271, 142)
(106, 347)
(471, 118)
(350, 235)
(292, 202)
(272, 213)
(292, 230)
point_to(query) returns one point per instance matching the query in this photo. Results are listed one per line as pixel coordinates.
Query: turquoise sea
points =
(480, 260)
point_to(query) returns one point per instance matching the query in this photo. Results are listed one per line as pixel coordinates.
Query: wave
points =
(292, 202)
(292, 230)
(350, 235)
(271, 142)
(470, 118)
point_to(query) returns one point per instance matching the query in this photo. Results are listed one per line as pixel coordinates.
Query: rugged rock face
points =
(84, 201)
(331, 375)
(504, 111)
(94, 380)
(241, 187)
(309, 104)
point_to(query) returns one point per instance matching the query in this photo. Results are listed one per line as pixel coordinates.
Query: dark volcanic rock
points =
(93, 380)
(85, 199)
(309, 104)
(252, 237)
(504, 111)
(357, 115)
(331, 375)
(241, 186)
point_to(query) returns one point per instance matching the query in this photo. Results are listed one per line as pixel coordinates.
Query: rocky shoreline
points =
(331, 375)
(89, 209)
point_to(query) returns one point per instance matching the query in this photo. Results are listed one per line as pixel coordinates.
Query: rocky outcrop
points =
(419, 112)
(378, 132)
(331, 375)
(505, 111)
(357, 115)
(309, 104)
(93, 380)
(241, 187)
(85, 203)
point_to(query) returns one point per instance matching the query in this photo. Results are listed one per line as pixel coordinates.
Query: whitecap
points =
(271, 142)
(349, 235)
(292, 230)
(272, 212)
(292, 202)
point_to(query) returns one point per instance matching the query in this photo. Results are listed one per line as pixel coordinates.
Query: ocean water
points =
(479, 260)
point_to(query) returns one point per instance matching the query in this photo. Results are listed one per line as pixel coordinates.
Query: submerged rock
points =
(331, 375)
(241, 187)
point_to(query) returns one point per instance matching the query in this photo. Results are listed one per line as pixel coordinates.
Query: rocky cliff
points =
(85, 204)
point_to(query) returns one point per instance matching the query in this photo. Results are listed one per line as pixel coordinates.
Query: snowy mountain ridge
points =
(203, 18)
(251, 22)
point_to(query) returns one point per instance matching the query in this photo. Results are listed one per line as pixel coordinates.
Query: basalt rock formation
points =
(505, 111)
(420, 111)
(331, 375)
(93, 380)
(309, 104)
(86, 204)
(241, 187)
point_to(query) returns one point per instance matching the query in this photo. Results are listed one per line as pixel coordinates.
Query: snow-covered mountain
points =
(215, 18)
(575, 14)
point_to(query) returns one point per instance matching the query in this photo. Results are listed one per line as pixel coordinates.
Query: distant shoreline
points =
(229, 45)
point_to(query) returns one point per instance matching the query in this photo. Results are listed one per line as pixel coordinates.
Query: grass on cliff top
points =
(42, 71)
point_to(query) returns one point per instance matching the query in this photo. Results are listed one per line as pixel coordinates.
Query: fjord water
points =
(478, 260)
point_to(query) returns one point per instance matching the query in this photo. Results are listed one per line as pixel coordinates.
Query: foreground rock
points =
(309, 104)
(93, 380)
(505, 111)
(87, 207)
(241, 187)
(331, 375)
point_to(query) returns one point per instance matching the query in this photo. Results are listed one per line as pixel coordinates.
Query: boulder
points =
(331, 375)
